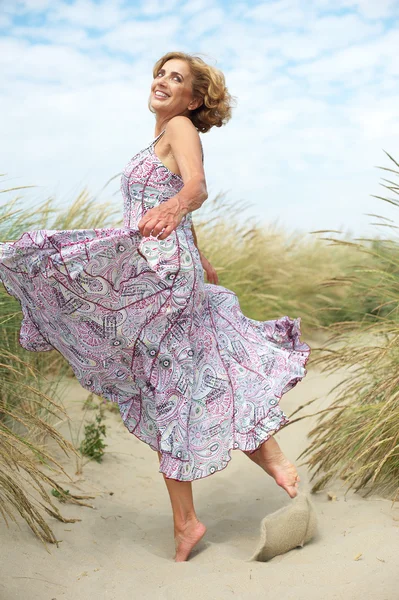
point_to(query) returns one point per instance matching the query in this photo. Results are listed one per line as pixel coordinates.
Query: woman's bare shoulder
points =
(181, 125)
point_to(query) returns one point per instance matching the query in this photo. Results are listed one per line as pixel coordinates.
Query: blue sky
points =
(316, 82)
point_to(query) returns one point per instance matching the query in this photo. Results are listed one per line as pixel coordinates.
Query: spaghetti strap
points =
(157, 138)
(202, 151)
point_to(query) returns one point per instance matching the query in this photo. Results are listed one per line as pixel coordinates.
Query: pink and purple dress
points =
(192, 375)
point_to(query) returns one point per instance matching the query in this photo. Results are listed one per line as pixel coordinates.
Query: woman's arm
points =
(186, 148)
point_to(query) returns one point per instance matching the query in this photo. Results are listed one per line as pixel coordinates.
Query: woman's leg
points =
(271, 459)
(188, 530)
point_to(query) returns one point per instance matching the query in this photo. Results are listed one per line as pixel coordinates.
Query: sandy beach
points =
(123, 548)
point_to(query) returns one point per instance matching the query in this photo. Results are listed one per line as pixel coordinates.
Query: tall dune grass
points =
(29, 381)
(358, 438)
(276, 273)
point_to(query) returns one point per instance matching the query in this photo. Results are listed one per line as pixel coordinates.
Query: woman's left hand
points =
(211, 274)
(166, 216)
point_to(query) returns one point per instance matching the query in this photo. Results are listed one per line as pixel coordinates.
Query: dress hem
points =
(284, 421)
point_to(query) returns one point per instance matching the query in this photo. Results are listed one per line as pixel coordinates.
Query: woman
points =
(128, 308)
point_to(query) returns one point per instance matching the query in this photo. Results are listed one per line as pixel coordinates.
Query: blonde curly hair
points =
(208, 84)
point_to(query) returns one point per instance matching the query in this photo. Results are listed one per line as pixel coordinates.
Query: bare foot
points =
(272, 460)
(187, 538)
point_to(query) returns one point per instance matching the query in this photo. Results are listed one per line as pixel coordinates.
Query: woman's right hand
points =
(162, 218)
(210, 271)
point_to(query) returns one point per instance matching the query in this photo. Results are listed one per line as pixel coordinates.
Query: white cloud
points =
(23, 6)
(317, 99)
(356, 65)
(157, 7)
(137, 37)
(196, 6)
(370, 9)
(291, 13)
(196, 27)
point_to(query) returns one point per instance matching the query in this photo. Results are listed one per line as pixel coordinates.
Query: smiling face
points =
(171, 90)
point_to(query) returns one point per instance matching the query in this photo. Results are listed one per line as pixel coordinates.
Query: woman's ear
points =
(195, 103)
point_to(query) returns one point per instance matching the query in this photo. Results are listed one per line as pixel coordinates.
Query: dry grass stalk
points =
(360, 442)
(27, 402)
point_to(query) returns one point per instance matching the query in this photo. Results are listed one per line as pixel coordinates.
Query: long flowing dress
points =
(192, 375)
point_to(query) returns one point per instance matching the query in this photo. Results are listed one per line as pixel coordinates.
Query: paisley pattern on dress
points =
(193, 376)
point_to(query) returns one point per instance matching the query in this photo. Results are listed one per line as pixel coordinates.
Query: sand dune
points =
(123, 549)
